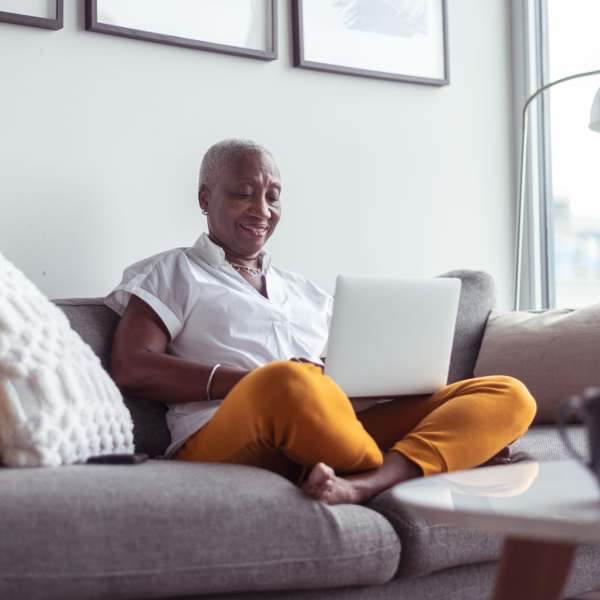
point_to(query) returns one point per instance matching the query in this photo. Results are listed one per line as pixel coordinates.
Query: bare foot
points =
(323, 484)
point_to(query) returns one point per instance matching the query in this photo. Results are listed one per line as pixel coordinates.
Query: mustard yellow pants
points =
(287, 416)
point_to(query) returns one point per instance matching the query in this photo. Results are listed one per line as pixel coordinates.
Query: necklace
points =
(252, 270)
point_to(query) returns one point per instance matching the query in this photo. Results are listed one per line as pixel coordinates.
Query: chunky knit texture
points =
(57, 404)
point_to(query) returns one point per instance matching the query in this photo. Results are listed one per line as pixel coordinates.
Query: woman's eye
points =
(273, 200)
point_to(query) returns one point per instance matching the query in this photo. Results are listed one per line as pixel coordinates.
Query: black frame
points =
(300, 61)
(30, 21)
(92, 24)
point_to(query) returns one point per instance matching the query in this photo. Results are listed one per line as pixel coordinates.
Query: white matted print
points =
(33, 8)
(244, 27)
(47, 14)
(391, 39)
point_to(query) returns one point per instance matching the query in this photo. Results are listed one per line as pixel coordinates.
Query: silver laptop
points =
(392, 336)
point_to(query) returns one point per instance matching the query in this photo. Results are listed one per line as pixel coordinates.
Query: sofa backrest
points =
(477, 299)
(96, 323)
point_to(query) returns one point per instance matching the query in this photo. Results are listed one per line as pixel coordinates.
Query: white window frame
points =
(530, 73)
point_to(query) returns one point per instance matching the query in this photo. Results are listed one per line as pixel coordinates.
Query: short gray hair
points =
(223, 151)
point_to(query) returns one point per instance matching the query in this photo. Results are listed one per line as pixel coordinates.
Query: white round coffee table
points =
(542, 508)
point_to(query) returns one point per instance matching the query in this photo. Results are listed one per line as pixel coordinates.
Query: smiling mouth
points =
(255, 230)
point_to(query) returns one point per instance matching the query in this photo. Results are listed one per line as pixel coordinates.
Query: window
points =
(562, 260)
(573, 46)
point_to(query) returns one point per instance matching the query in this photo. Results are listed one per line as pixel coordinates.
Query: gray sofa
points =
(170, 529)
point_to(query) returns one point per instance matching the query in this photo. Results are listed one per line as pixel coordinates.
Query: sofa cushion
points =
(167, 528)
(477, 299)
(469, 582)
(543, 442)
(430, 546)
(96, 324)
(554, 353)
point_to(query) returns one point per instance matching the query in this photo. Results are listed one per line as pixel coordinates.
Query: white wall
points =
(101, 137)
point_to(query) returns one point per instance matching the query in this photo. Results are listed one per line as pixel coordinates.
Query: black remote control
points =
(118, 459)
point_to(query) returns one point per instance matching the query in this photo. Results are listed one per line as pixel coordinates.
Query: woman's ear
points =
(203, 194)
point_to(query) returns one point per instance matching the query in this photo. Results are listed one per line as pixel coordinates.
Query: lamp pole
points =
(523, 174)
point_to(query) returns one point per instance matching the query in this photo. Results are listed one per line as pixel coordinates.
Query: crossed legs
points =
(463, 425)
(290, 418)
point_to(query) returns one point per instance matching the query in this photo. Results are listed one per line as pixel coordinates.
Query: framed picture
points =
(239, 27)
(401, 40)
(47, 14)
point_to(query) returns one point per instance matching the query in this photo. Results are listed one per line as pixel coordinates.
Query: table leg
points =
(532, 569)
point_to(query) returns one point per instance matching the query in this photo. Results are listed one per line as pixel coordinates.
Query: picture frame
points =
(398, 40)
(128, 18)
(54, 23)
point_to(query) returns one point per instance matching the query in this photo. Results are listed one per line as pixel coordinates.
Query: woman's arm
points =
(140, 366)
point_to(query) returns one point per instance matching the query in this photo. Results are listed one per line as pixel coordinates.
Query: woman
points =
(235, 345)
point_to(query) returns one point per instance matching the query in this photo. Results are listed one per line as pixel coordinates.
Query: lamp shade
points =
(595, 113)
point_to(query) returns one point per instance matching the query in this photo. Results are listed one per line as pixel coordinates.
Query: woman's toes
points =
(326, 488)
(319, 474)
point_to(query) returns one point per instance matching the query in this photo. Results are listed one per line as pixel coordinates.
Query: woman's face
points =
(243, 203)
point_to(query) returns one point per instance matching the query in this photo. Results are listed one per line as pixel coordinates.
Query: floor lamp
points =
(594, 126)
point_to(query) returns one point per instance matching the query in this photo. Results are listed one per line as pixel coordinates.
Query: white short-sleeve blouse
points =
(214, 316)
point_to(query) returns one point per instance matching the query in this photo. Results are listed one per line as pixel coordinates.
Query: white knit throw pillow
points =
(57, 404)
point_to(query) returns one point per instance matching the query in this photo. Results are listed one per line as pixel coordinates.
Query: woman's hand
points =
(305, 360)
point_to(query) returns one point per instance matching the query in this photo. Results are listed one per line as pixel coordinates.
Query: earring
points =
(204, 211)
